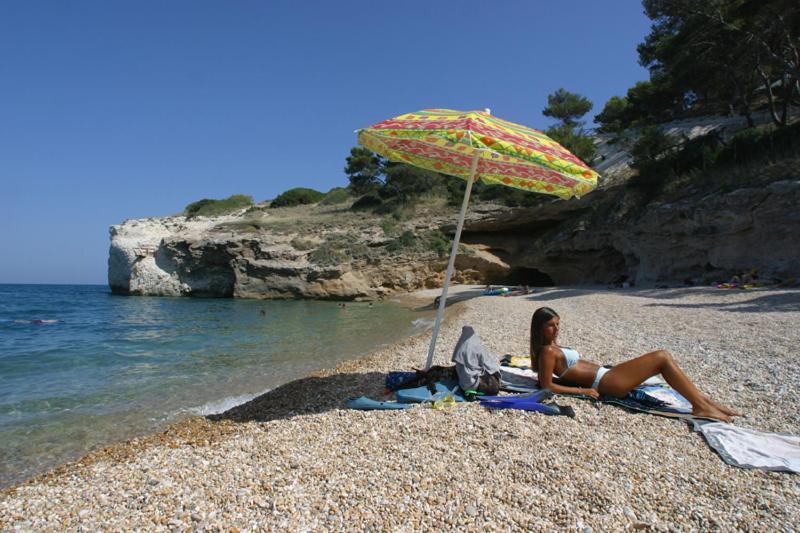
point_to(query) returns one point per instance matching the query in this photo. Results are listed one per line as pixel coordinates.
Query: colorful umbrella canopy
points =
(476, 145)
(444, 140)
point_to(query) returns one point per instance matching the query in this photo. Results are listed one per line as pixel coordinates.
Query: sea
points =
(81, 368)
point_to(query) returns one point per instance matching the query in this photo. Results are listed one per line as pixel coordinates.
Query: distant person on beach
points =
(548, 358)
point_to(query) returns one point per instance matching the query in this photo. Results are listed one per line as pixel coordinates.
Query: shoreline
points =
(199, 427)
(281, 444)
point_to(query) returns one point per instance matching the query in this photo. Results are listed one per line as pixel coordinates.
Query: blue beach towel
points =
(366, 404)
(661, 400)
(538, 395)
(423, 394)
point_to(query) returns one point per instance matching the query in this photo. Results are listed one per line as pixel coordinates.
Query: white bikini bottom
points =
(600, 373)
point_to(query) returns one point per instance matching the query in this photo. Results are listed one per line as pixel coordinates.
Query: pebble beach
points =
(294, 459)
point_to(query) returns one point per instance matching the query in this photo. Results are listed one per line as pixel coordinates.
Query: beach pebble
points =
(294, 459)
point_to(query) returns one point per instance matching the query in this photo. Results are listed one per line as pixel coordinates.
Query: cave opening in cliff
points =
(525, 276)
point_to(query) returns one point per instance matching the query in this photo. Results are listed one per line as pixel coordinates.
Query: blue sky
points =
(112, 110)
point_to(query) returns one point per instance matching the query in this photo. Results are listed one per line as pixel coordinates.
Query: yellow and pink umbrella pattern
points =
(476, 145)
(444, 140)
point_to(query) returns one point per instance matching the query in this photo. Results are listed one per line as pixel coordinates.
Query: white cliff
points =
(304, 252)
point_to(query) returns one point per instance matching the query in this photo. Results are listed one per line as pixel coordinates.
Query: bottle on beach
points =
(442, 400)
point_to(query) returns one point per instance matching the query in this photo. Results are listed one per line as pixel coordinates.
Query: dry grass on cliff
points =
(334, 233)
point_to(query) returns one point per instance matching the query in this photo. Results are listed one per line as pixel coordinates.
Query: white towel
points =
(748, 448)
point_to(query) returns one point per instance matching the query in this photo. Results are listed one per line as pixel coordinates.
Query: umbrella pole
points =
(451, 263)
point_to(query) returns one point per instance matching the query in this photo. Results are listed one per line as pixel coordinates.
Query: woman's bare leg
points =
(624, 377)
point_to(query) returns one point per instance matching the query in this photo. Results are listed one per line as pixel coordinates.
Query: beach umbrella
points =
(476, 145)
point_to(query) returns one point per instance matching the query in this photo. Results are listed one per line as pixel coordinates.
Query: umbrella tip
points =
(487, 111)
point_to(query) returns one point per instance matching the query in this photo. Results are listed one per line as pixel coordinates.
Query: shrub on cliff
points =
(438, 242)
(297, 196)
(406, 240)
(368, 201)
(302, 244)
(755, 145)
(650, 159)
(328, 255)
(208, 207)
(663, 163)
(337, 195)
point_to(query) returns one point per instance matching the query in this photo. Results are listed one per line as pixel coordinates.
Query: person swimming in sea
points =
(548, 358)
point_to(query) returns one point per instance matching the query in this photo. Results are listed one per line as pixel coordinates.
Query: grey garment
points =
(472, 359)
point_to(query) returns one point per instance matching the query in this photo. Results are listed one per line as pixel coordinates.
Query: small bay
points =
(80, 367)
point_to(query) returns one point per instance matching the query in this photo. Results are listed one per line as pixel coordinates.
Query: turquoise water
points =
(80, 367)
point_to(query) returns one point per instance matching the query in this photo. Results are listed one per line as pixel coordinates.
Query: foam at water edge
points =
(421, 323)
(220, 406)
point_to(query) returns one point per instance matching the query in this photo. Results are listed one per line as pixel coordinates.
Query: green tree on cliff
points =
(647, 102)
(727, 53)
(614, 116)
(384, 180)
(364, 169)
(404, 182)
(569, 108)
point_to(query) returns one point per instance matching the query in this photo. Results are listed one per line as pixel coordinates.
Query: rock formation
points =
(325, 253)
(614, 233)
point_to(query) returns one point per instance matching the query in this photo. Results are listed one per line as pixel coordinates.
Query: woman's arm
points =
(547, 361)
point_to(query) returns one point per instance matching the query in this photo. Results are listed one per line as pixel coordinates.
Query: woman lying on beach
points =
(549, 358)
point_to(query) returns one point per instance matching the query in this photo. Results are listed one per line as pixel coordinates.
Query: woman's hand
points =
(592, 393)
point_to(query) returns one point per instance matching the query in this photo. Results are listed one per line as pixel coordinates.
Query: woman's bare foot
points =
(710, 411)
(725, 409)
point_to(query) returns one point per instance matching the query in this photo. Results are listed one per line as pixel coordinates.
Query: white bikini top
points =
(571, 356)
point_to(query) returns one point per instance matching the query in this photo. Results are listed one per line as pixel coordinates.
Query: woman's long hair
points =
(540, 316)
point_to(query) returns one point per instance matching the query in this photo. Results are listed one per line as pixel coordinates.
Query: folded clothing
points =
(750, 448)
(474, 363)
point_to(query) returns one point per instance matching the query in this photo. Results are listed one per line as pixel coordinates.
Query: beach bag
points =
(489, 384)
(410, 380)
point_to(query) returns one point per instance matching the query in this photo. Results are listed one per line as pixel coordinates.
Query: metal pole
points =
(452, 262)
